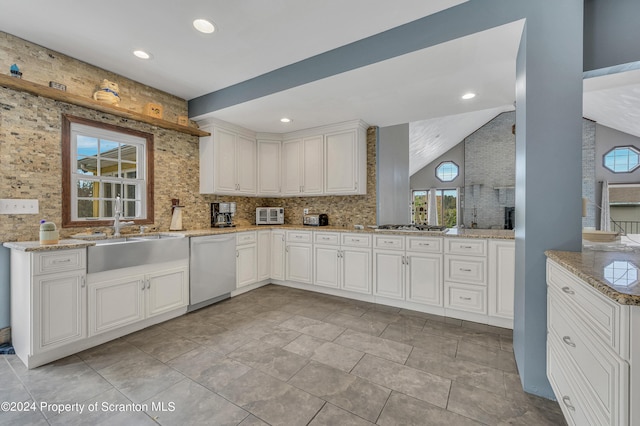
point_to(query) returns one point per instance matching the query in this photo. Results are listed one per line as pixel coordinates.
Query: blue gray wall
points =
(393, 174)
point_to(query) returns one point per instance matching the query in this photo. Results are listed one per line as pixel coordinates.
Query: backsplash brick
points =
(30, 151)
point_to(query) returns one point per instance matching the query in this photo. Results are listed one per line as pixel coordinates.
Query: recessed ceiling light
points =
(285, 120)
(204, 26)
(141, 54)
(468, 96)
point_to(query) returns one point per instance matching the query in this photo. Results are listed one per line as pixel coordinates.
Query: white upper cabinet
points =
(328, 160)
(269, 167)
(228, 163)
(345, 163)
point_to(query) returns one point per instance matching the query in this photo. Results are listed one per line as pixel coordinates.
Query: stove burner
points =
(412, 228)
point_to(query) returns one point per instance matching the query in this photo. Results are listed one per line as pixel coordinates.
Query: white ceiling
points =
(253, 37)
(257, 36)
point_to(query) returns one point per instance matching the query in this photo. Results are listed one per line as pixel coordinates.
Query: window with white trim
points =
(103, 162)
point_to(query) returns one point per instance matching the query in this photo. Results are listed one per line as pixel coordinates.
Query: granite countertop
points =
(596, 268)
(36, 246)
(90, 239)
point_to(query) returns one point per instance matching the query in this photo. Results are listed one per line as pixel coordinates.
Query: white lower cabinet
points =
(126, 296)
(246, 265)
(590, 373)
(116, 303)
(299, 257)
(502, 275)
(264, 258)
(356, 269)
(424, 278)
(346, 266)
(388, 274)
(48, 303)
(277, 255)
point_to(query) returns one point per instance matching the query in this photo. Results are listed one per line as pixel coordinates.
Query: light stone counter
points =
(597, 269)
(90, 239)
(36, 246)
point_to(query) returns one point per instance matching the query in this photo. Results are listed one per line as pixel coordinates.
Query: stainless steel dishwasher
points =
(212, 269)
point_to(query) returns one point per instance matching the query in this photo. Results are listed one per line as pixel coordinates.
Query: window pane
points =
(129, 153)
(449, 208)
(622, 159)
(107, 208)
(87, 209)
(131, 208)
(130, 192)
(87, 166)
(108, 167)
(86, 146)
(419, 210)
(87, 188)
(447, 171)
(108, 149)
(128, 170)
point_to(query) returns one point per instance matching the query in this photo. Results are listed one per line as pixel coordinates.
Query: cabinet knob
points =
(567, 402)
(567, 340)
(568, 290)
(465, 298)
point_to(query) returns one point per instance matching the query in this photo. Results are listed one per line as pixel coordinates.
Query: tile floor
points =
(283, 356)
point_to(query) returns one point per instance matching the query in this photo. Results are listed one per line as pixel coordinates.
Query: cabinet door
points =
(356, 270)
(340, 163)
(292, 167)
(313, 165)
(246, 165)
(502, 264)
(207, 166)
(167, 290)
(388, 274)
(269, 168)
(299, 263)
(224, 168)
(246, 265)
(60, 309)
(424, 278)
(326, 266)
(277, 255)
(264, 242)
(115, 303)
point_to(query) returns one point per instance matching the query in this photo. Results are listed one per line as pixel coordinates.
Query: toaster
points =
(315, 219)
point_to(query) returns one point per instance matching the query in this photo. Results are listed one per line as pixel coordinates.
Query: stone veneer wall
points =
(589, 171)
(30, 151)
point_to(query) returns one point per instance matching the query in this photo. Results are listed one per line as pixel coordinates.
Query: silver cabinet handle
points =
(388, 242)
(57, 262)
(287, 249)
(407, 259)
(568, 290)
(465, 270)
(237, 253)
(83, 281)
(424, 244)
(283, 238)
(404, 261)
(143, 284)
(325, 238)
(465, 298)
(356, 240)
(298, 236)
(148, 284)
(567, 340)
(567, 401)
(466, 247)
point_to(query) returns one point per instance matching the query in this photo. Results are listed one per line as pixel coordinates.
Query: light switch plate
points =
(18, 206)
(305, 211)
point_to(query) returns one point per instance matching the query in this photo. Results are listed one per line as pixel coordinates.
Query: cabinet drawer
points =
(388, 242)
(58, 261)
(332, 238)
(564, 386)
(426, 245)
(463, 269)
(465, 298)
(356, 240)
(468, 247)
(299, 236)
(246, 238)
(604, 375)
(601, 315)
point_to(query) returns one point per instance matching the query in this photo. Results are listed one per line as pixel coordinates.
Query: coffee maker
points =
(222, 215)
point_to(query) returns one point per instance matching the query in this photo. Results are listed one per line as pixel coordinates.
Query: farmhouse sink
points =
(117, 253)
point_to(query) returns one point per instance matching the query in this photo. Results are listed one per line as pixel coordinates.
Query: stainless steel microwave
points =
(269, 216)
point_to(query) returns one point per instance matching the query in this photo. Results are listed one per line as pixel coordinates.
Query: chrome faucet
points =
(116, 218)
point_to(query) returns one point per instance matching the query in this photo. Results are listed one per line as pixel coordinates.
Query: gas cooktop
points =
(412, 228)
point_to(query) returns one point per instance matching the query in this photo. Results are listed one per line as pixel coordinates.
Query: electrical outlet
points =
(18, 206)
(306, 211)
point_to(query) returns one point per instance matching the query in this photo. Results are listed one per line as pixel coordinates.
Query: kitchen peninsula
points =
(593, 348)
